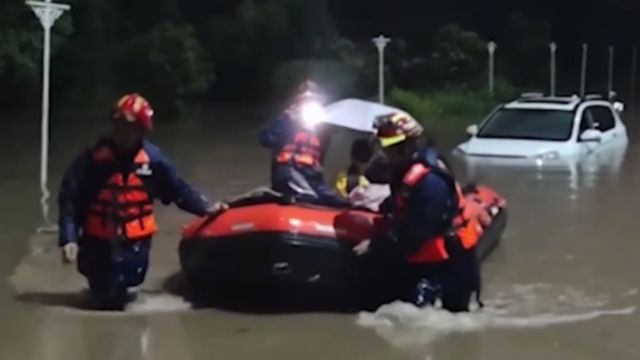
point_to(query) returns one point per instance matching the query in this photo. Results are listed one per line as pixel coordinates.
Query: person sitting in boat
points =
(364, 187)
(298, 147)
(106, 216)
(355, 175)
(430, 228)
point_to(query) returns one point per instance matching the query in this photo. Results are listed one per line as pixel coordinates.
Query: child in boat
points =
(355, 175)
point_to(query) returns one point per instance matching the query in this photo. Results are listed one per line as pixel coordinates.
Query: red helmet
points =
(395, 128)
(134, 108)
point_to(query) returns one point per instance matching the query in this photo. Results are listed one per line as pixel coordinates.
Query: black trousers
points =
(111, 268)
(455, 282)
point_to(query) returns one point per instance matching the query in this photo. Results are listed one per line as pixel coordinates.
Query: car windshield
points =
(529, 124)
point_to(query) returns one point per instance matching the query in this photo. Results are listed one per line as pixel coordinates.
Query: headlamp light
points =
(311, 114)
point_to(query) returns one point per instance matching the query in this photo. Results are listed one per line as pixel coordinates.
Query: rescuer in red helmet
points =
(106, 204)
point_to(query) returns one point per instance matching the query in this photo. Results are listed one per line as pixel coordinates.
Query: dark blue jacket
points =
(85, 178)
(277, 133)
(429, 209)
(281, 130)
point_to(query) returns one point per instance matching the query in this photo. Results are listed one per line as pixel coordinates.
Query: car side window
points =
(604, 117)
(587, 122)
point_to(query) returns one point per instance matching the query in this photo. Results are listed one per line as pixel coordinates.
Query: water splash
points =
(521, 306)
(145, 304)
(157, 303)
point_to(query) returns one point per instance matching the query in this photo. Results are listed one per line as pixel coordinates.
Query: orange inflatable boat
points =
(264, 240)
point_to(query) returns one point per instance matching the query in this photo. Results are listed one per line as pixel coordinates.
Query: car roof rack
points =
(529, 95)
(538, 97)
(594, 97)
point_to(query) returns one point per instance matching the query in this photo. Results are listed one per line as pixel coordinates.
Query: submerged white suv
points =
(546, 128)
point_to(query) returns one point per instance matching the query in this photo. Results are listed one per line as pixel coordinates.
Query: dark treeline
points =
(177, 51)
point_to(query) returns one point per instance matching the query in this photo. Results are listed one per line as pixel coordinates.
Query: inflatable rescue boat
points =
(266, 242)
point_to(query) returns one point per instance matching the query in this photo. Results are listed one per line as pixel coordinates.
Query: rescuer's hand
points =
(218, 208)
(362, 248)
(69, 253)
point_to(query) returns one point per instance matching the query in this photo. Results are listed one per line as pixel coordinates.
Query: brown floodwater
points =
(563, 284)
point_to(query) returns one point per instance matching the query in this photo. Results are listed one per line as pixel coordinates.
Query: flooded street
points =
(563, 284)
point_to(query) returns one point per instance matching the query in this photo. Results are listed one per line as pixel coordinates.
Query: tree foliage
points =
(170, 48)
(459, 56)
(21, 51)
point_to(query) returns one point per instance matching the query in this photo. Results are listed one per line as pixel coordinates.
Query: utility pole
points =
(583, 73)
(552, 83)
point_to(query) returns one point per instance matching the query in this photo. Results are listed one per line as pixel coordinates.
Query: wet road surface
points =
(563, 284)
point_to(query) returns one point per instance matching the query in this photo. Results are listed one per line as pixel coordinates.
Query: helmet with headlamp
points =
(307, 108)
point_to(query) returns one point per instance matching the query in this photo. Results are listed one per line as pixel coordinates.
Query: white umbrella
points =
(356, 114)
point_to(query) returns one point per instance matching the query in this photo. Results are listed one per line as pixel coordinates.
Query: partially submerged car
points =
(540, 128)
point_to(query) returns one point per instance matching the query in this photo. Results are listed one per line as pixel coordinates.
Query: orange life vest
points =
(122, 207)
(303, 149)
(464, 227)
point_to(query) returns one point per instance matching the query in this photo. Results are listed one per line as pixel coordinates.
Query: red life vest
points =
(122, 207)
(463, 226)
(303, 149)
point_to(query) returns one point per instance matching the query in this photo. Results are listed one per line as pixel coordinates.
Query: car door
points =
(620, 129)
(587, 121)
(605, 122)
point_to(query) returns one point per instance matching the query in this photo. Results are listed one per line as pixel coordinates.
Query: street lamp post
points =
(552, 83)
(47, 12)
(381, 42)
(491, 47)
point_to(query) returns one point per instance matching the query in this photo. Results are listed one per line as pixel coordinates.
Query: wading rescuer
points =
(106, 204)
(297, 146)
(429, 228)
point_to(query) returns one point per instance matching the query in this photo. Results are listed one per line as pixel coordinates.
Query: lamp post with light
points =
(47, 12)
(491, 47)
(381, 42)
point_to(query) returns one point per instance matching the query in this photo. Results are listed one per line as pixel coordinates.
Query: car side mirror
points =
(472, 129)
(591, 135)
(618, 106)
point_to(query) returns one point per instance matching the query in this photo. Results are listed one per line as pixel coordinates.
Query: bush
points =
(431, 106)
(414, 103)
